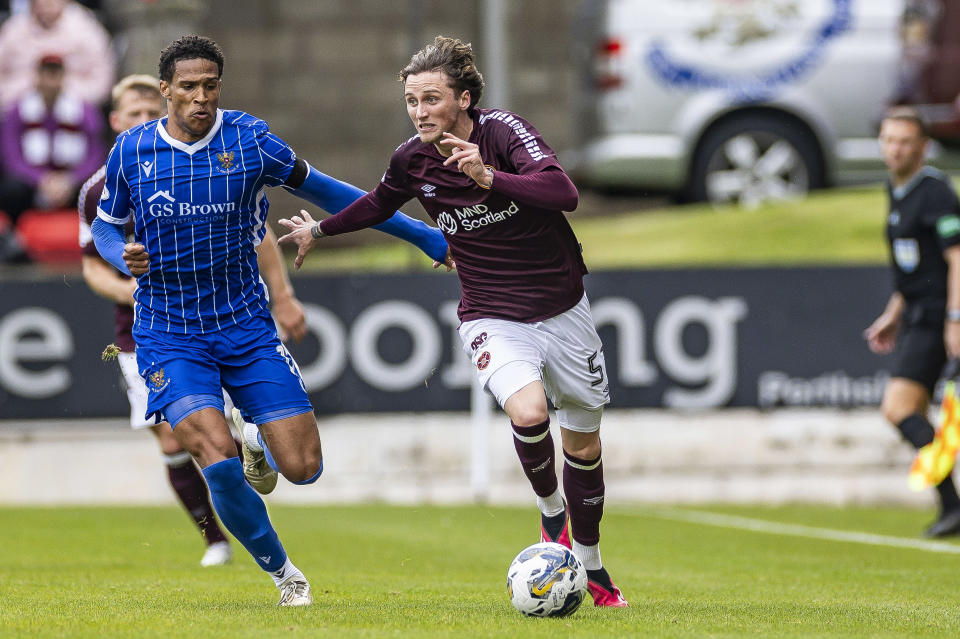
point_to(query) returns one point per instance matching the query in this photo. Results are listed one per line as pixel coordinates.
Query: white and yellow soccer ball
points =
(546, 580)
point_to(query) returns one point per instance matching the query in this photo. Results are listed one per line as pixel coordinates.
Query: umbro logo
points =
(147, 167)
(593, 501)
(542, 466)
(428, 190)
(164, 194)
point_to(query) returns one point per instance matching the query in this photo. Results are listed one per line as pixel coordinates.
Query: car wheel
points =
(757, 159)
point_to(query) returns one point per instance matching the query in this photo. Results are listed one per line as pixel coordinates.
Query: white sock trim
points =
(589, 556)
(250, 432)
(534, 439)
(581, 466)
(178, 459)
(286, 572)
(551, 505)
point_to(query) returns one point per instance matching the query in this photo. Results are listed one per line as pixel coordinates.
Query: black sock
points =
(917, 430)
(949, 499)
(554, 525)
(601, 577)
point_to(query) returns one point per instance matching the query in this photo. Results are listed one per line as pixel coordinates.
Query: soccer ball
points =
(546, 580)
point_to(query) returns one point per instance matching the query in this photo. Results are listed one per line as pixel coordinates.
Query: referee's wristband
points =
(315, 231)
(953, 314)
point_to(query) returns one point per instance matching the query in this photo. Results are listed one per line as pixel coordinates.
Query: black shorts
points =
(921, 354)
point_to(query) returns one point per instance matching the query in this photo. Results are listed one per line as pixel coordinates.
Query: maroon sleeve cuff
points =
(365, 212)
(550, 189)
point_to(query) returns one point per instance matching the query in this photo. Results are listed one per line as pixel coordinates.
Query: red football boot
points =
(551, 530)
(603, 590)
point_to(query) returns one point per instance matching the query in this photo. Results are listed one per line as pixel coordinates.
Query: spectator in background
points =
(67, 29)
(50, 143)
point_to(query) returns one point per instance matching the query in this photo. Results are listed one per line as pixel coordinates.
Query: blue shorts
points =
(249, 361)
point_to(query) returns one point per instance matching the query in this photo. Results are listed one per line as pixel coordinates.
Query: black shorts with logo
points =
(921, 353)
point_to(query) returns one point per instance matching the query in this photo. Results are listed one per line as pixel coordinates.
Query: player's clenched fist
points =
(137, 259)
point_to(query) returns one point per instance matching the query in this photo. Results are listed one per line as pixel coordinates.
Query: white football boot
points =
(295, 592)
(259, 475)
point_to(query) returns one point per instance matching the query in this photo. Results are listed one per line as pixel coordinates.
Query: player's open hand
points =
(467, 157)
(136, 258)
(449, 263)
(299, 235)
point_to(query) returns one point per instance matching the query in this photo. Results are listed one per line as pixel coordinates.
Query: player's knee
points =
(529, 413)
(584, 450)
(306, 468)
(895, 411)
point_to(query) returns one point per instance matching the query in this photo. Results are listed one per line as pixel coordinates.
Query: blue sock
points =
(266, 452)
(242, 511)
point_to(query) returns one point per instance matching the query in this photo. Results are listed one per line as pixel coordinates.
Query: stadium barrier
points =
(685, 339)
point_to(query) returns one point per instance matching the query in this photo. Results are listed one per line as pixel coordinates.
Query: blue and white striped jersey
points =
(200, 211)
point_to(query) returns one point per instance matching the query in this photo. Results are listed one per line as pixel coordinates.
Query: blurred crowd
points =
(57, 65)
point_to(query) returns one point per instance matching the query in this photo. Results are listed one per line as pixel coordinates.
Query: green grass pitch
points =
(391, 571)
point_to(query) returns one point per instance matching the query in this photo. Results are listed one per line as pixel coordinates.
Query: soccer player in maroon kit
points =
(137, 99)
(496, 190)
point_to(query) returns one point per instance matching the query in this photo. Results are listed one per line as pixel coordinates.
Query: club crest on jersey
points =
(484, 360)
(158, 381)
(226, 162)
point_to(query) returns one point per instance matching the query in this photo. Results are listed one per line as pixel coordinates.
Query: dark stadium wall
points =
(681, 339)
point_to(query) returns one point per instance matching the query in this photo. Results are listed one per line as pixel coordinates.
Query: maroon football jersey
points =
(517, 257)
(87, 207)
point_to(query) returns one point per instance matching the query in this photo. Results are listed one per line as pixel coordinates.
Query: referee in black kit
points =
(922, 318)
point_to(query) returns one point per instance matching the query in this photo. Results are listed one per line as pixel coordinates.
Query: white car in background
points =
(751, 100)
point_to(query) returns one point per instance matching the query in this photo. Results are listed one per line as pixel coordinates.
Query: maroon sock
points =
(536, 452)
(583, 487)
(191, 490)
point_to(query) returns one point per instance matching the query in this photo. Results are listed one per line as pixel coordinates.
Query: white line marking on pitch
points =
(797, 530)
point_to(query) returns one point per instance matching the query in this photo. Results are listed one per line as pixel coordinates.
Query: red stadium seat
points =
(50, 236)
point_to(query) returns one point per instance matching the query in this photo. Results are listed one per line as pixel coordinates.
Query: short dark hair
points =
(906, 113)
(455, 59)
(189, 47)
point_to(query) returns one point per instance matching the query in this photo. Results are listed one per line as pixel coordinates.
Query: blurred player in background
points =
(496, 190)
(136, 100)
(922, 317)
(192, 183)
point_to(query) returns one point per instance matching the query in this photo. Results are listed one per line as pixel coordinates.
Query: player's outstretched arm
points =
(333, 196)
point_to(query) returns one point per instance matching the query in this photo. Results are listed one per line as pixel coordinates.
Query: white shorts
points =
(136, 390)
(564, 353)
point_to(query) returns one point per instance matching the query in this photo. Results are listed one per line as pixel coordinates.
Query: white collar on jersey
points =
(196, 146)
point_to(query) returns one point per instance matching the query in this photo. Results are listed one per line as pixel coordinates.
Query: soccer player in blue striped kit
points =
(193, 184)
